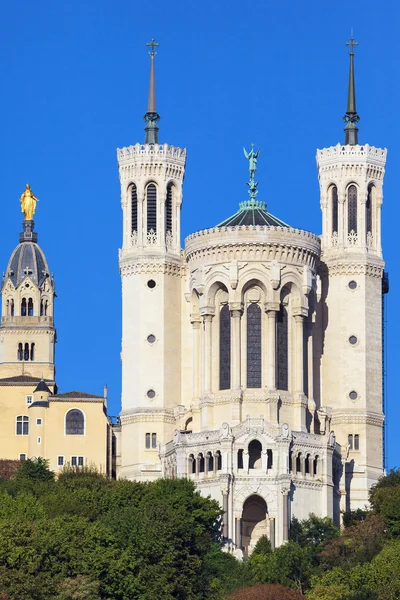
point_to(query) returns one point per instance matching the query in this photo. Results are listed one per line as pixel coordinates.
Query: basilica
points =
(251, 357)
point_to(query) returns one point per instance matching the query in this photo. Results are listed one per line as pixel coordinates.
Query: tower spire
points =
(151, 117)
(351, 117)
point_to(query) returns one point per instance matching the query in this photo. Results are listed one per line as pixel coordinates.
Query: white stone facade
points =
(252, 358)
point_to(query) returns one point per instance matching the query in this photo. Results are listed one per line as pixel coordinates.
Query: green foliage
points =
(357, 544)
(312, 532)
(85, 537)
(34, 469)
(290, 565)
(386, 502)
(354, 516)
(263, 546)
(223, 573)
(384, 572)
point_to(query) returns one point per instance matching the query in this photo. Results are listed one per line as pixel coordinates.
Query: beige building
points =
(252, 357)
(69, 428)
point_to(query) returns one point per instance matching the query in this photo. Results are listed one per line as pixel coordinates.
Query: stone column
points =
(272, 532)
(236, 314)
(207, 319)
(195, 321)
(299, 358)
(238, 533)
(361, 221)
(285, 514)
(310, 356)
(342, 229)
(271, 375)
(225, 515)
(294, 463)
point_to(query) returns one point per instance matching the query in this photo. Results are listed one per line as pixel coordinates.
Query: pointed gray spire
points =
(351, 117)
(151, 117)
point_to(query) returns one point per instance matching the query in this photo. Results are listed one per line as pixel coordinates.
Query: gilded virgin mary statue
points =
(28, 203)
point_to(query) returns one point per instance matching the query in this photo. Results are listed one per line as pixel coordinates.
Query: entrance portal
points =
(254, 522)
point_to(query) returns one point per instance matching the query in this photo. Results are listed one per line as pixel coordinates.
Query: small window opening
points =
(147, 441)
(356, 442)
(32, 351)
(154, 440)
(255, 449)
(269, 459)
(23, 307)
(30, 307)
(20, 352)
(240, 459)
(200, 458)
(350, 441)
(26, 351)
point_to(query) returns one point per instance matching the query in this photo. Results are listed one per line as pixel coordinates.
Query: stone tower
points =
(151, 267)
(352, 269)
(27, 333)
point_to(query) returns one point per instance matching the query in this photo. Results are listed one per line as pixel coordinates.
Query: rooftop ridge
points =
(359, 150)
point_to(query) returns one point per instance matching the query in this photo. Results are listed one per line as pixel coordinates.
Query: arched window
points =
(290, 461)
(133, 208)
(210, 462)
(26, 351)
(315, 466)
(32, 351)
(282, 349)
(8, 308)
(334, 196)
(12, 307)
(307, 464)
(218, 459)
(74, 422)
(200, 458)
(23, 307)
(240, 459)
(30, 307)
(192, 464)
(151, 208)
(168, 208)
(368, 210)
(41, 308)
(20, 352)
(352, 209)
(253, 346)
(224, 348)
(22, 425)
(255, 449)
(269, 459)
(298, 463)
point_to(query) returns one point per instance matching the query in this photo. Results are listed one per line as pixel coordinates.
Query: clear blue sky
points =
(74, 87)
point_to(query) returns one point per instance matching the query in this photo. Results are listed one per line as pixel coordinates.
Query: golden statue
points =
(28, 203)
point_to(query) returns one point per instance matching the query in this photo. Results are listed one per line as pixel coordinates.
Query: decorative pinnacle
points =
(351, 117)
(252, 158)
(151, 117)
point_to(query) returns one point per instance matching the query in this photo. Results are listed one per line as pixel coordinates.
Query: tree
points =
(290, 565)
(78, 588)
(313, 531)
(357, 544)
(263, 546)
(384, 572)
(385, 500)
(34, 469)
(265, 591)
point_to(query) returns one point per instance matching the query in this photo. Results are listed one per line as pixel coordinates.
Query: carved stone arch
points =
(211, 290)
(251, 489)
(253, 277)
(291, 285)
(265, 439)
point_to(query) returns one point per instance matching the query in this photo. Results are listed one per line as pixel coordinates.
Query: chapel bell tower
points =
(27, 333)
(151, 267)
(352, 270)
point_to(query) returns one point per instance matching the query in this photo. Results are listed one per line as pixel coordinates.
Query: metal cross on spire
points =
(352, 43)
(153, 44)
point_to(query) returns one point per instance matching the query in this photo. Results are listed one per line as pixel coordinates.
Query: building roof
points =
(26, 260)
(253, 212)
(23, 380)
(42, 387)
(76, 395)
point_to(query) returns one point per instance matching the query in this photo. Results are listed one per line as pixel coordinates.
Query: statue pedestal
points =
(28, 235)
